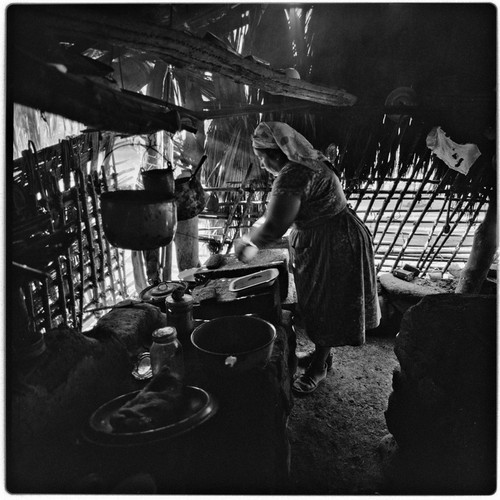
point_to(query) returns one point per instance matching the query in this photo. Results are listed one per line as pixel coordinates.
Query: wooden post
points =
(483, 250)
(186, 244)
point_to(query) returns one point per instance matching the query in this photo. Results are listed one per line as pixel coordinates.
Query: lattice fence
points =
(55, 226)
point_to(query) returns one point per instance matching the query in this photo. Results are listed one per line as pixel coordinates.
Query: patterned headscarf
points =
(278, 135)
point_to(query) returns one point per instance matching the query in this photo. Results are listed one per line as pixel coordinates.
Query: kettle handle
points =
(200, 164)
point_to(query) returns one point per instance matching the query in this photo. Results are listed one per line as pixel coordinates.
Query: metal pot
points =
(160, 180)
(138, 220)
(190, 195)
(234, 344)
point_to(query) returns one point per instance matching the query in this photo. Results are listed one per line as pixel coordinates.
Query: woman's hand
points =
(245, 250)
(281, 213)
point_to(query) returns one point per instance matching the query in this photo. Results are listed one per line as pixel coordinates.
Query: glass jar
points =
(166, 350)
(180, 315)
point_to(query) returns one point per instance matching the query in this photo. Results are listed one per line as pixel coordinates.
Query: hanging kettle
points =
(138, 220)
(190, 195)
(159, 179)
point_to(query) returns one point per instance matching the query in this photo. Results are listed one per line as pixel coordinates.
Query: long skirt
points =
(335, 280)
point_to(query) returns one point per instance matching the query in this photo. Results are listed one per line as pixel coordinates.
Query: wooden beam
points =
(78, 98)
(102, 26)
(228, 111)
(214, 114)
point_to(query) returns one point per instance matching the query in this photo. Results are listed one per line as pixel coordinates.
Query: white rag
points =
(459, 157)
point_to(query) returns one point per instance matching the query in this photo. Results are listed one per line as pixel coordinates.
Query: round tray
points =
(197, 407)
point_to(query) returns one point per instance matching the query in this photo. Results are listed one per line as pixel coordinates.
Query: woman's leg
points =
(304, 360)
(315, 373)
(319, 358)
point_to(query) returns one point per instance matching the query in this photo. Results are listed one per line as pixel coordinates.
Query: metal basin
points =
(197, 407)
(138, 220)
(234, 344)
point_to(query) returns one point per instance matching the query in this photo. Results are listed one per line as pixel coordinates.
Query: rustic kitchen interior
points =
(130, 175)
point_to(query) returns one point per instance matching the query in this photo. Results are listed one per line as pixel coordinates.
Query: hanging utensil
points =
(150, 219)
(190, 196)
(159, 179)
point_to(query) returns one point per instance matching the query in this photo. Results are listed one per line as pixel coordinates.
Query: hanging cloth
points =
(459, 157)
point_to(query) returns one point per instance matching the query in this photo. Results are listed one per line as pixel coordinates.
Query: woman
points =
(330, 247)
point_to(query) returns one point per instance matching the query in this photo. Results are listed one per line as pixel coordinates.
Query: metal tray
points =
(251, 281)
(198, 406)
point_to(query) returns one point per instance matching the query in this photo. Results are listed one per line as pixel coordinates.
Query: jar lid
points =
(164, 334)
(185, 300)
(159, 291)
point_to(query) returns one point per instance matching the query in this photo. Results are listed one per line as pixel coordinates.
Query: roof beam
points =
(78, 98)
(67, 23)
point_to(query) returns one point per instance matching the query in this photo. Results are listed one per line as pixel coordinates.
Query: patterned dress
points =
(332, 258)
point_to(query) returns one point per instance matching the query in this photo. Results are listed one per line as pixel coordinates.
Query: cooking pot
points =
(234, 344)
(159, 179)
(138, 220)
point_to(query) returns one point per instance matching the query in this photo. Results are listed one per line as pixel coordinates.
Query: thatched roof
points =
(227, 62)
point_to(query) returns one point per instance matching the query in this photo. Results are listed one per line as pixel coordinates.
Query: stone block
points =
(442, 411)
(51, 401)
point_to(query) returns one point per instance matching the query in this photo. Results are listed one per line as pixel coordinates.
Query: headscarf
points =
(278, 135)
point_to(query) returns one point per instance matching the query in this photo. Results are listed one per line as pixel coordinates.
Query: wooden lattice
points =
(56, 200)
(415, 218)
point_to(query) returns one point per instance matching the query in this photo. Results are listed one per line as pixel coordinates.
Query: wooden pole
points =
(484, 247)
(186, 244)
(102, 107)
(358, 171)
(408, 212)
(387, 199)
(457, 210)
(396, 207)
(102, 27)
(431, 234)
(462, 239)
(419, 220)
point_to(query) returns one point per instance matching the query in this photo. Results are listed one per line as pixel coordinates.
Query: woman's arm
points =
(281, 212)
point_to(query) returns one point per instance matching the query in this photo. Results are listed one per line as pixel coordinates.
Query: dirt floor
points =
(335, 432)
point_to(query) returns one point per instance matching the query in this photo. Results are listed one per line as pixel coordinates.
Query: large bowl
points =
(138, 220)
(197, 407)
(234, 344)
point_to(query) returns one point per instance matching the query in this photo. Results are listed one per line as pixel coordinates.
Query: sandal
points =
(305, 360)
(308, 382)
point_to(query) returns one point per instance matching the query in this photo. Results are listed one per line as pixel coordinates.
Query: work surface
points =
(243, 449)
(265, 259)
